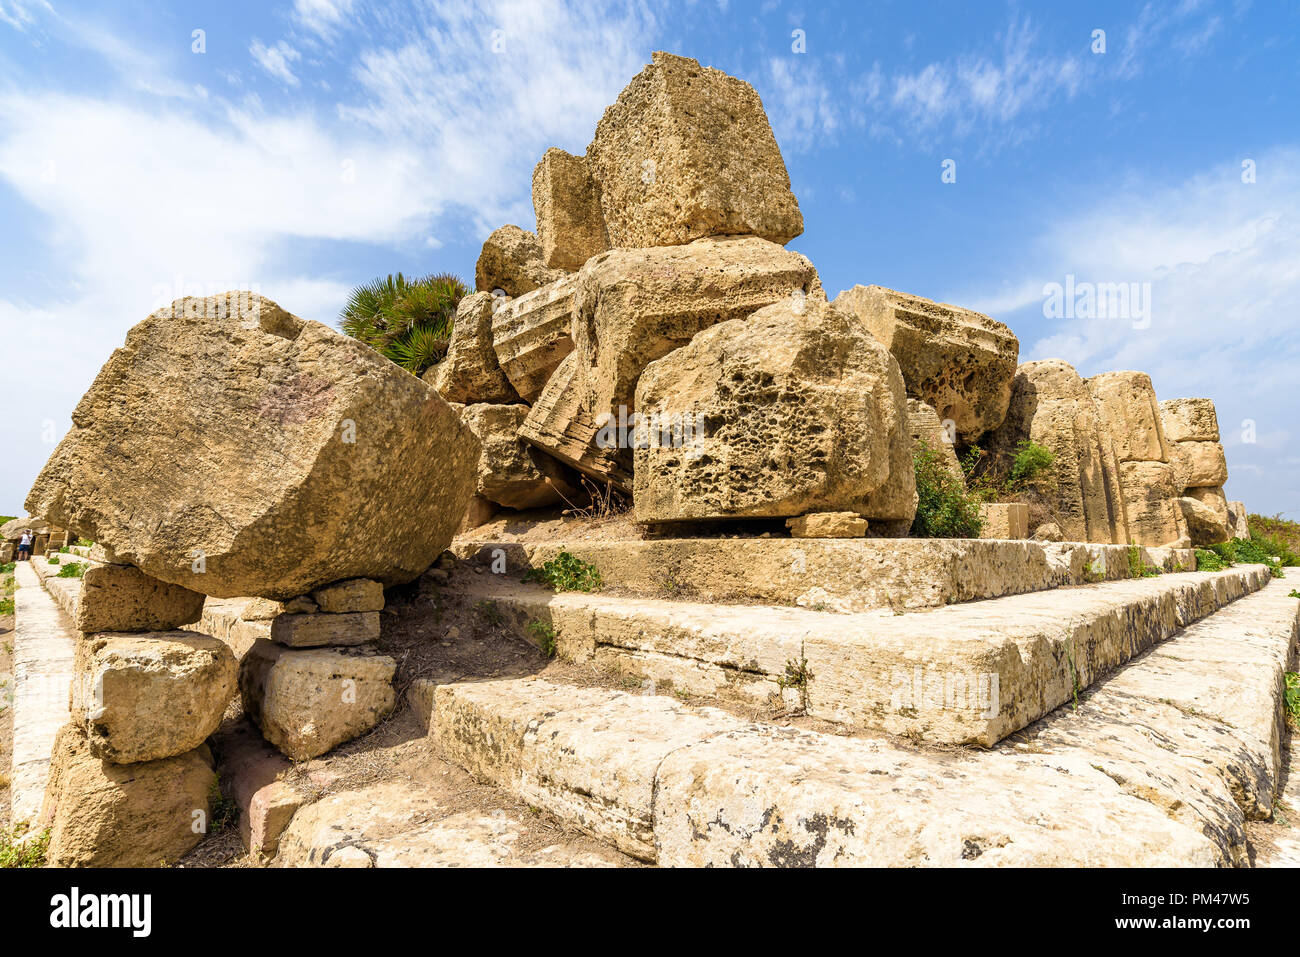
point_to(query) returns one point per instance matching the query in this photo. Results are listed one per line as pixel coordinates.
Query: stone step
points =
(841, 575)
(966, 674)
(44, 643)
(1159, 766)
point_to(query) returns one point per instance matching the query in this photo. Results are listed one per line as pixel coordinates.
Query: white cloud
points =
(321, 17)
(275, 60)
(18, 13)
(799, 103)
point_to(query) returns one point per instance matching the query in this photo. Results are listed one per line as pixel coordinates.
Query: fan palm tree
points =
(408, 321)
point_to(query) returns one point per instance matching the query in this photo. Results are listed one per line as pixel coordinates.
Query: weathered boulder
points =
(960, 362)
(570, 224)
(1051, 406)
(633, 306)
(470, 371)
(511, 472)
(1204, 525)
(6, 553)
(1215, 501)
(478, 512)
(1151, 498)
(687, 152)
(533, 333)
(1189, 420)
(784, 413)
(827, 525)
(12, 531)
(1238, 520)
(1130, 411)
(321, 629)
(263, 609)
(123, 598)
(927, 431)
(1048, 532)
(307, 701)
(563, 424)
(102, 814)
(150, 696)
(1199, 464)
(237, 450)
(358, 594)
(511, 261)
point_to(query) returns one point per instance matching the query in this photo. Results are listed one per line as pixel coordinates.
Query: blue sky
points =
(311, 145)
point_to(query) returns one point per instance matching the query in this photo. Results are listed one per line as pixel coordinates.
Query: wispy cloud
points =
(276, 60)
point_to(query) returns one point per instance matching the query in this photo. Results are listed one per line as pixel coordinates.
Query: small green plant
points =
(15, 851)
(545, 636)
(489, 611)
(1030, 461)
(944, 509)
(8, 568)
(1090, 573)
(225, 812)
(85, 543)
(73, 570)
(1293, 593)
(6, 606)
(1137, 568)
(566, 572)
(1291, 703)
(52, 559)
(407, 320)
(1255, 551)
(1209, 561)
(799, 676)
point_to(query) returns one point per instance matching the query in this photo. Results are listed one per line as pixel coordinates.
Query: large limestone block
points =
(307, 701)
(322, 629)
(1215, 501)
(359, 594)
(1199, 464)
(1130, 410)
(827, 525)
(511, 472)
(150, 696)
(927, 431)
(102, 814)
(511, 261)
(1204, 525)
(1005, 520)
(1190, 420)
(533, 333)
(633, 306)
(470, 371)
(563, 424)
(237, 450)
(123, 598)
(12, 531)
(784, 413)
(1151, 498)
(687, 152)
(960, 362)
(570, 223)
(1051, 406)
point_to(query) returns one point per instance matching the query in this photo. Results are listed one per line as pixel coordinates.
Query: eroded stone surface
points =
(570, 223)
(357, 594)
(469, 372)
(532, 334)
(828, 525)
(320, 629)
(1204, 525)
(1199, 464)
(1190, 420)
(511, 472)
(1007, 520)
(1130, 411)
(511, 261)
(123, 598)
(1151, 494)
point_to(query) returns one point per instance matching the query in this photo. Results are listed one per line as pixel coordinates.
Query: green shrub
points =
(566, 572)
(1137, 568)
(8, 568)
(1255, 551)
(408, 321)
(1209, 561)
(29, 854)
(1292, 700)
(85, 542)
(52, 558)
(1030, 462)
(545, 636)
(6, 606)
(944, 508)
(73, 570)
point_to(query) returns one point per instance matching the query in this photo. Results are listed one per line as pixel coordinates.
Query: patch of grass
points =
(74, 570)
(1209, 561)
(85, 543)
(1255, 551)
(1291, 702)
(1090, 573)
(566, 572)
(1293, 593)
(52, 559)
(799, 676)
(406, 320)
(1281, 534)
(6, 606)
(602, 502)
(545, 636)
(944, 508)
(8, 568)
(14, 852)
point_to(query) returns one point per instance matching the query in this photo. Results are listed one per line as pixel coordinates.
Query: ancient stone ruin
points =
(726, 460)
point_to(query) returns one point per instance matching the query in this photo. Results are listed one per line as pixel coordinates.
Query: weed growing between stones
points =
(944, 509)
(225, 812)
(1208, 561)
(1293, 593)
(18, 849)
(798, 676)
(52, 559)
(1291, 703)
(6, 606)
(1137, 568)
(566, 572)
(545, 636)
(1255, 550)
(75, 570)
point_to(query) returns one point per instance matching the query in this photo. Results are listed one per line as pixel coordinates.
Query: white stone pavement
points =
(44, 643)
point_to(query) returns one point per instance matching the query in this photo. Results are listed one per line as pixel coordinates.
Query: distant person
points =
(25, 546)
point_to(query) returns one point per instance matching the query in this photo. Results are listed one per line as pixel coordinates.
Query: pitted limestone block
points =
(1199, 464)
(789, 412)
(321, 629)
(827, 525)
(687, 152)
(102, 814)
(1005, 520)
(1190, 420)
(511, 472)
(307, 701)
(532, 334)
(1130, 411)
(263, 609)
(961, 363)
(296, 456)
(150, 696)
(511, 261)
(357, 594)
(123, 598)
(633, 306)
(570, 223)
(1151, 498)
(1215, 501)
(470, 372)
(1238, 520)
(1051, 406)
(1204, 525)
